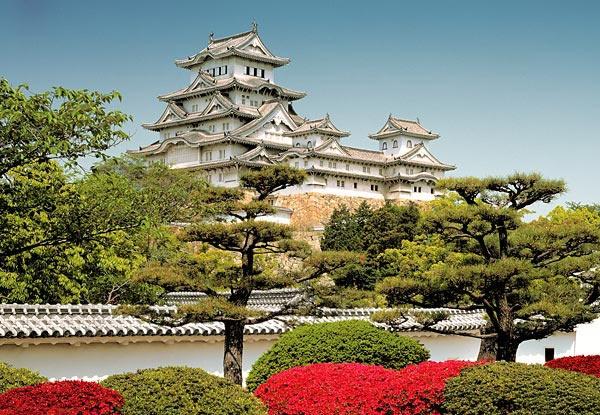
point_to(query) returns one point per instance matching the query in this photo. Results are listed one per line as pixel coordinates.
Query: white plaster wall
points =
(99, 360)
(89, 360)
(450, 347)
(239, 67)
(588, 338)
(533, 351)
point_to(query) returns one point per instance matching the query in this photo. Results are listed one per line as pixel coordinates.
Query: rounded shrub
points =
(332, 388)
(422, 386)
(57, 398)
(182, 390)
(590, 365)
(520, 389)
(352, 341)
(11, 377)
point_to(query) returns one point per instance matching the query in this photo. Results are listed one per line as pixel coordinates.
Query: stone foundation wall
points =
(312, 210)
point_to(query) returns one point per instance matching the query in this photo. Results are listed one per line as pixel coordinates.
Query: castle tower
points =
(232, 117)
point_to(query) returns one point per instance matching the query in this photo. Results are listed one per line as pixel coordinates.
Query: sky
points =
(510, 86)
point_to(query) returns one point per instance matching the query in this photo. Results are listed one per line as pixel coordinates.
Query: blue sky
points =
(510, 86)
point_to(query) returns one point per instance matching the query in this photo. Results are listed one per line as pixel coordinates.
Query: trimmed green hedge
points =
(352, 341)
(11, 377)
(520, 389)
(182, 390)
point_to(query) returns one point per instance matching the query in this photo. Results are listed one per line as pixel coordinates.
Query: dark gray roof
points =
(56, 321)
(267, 300)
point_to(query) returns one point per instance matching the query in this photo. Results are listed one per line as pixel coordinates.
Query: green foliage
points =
(341, 297)
(231, 222)
(58, 124)
(519, 389)
(181, 390)
(83, 240)
(532, 278)
(342, 232)
(370, 230)
(270, 179)
(11, 377)
(339, 342)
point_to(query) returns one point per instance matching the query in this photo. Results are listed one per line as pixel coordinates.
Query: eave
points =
(208, 55)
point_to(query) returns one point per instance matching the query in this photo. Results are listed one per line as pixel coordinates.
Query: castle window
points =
(309, 144)
(395, 145)
(432, 190)
(374, 187)
(355, 185)
(409, 144)
(305, 163)
(321, 163)
(221, 154)
(366, 169)
(347, 166)
(208, 156)
(341, 183)
(297, 164)
(381, 171)
(225, 126)
(262, 73)
(195, 108)
(247, 70)
(384, 146)
(220, 177)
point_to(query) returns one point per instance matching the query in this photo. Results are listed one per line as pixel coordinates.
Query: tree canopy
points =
(531, 278)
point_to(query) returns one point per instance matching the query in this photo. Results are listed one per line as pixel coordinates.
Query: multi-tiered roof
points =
(234, 87)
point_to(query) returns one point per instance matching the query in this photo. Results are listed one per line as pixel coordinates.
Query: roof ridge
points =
(237, 35)
(364, 149)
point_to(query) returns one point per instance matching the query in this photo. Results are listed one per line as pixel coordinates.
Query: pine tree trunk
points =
(507, 351)
(234, 349)
(488, 347)
(507, 343)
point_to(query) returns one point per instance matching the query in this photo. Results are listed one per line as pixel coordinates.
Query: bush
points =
(519, 389)
(340, 342)
(181, 390)
(11, 377)
(332, 388)
(57, 398)
(422, 389)
(590, 365)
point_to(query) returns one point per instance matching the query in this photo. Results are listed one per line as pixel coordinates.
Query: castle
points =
(233, 117)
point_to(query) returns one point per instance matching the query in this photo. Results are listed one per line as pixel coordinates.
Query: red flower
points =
(61, 398)
(590, 365)
(357, 389)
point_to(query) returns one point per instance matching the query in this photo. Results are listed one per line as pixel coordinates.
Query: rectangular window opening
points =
(549, 354)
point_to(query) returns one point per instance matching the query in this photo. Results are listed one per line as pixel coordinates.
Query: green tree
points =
(370, 230)
(82, 239)
(531, 278)
(36, 129)
(341, 232)
(388, 226)
(233, 223)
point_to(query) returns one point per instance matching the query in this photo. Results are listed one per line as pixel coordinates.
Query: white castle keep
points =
(233, 117)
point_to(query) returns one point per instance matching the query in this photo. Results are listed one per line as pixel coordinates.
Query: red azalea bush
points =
(422, 390)
(590, 365)
(61, 398)
(358, 389)
(331, 388)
